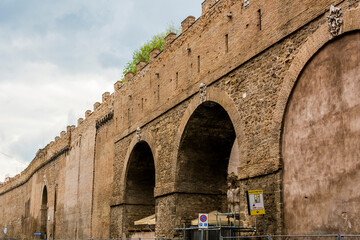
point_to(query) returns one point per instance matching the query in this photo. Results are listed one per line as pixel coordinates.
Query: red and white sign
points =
(203, 220)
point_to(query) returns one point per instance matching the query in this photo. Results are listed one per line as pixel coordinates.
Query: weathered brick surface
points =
(103, 177)
(249, 70)
(272, 186)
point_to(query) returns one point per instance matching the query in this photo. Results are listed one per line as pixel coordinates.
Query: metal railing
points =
(135, 238)
(295, 237)
(260, 237)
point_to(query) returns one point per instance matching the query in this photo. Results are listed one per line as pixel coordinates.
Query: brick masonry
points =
(249, 59)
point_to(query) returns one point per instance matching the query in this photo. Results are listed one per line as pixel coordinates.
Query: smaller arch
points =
(44, 212)
(145, 137)
(138, 181)
(140, 176)
(44, 198)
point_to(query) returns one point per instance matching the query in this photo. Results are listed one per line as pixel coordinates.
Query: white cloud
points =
(59, 57)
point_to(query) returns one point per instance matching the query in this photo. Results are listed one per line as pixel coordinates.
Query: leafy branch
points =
(143, 53)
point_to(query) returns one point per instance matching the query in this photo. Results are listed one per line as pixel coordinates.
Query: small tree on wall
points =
(143, 53)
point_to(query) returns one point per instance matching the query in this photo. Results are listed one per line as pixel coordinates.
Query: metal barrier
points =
(262, 237)
(296, 237)
(142, 238)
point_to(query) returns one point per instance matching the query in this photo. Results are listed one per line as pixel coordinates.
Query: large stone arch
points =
(220, 97)
(202, 150)
(318, 197)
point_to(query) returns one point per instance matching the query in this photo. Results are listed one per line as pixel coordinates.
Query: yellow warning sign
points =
(255, 202)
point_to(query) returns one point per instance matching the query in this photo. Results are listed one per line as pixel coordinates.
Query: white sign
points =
(256, 202)
(5, 230)
(203, 220)
(246, 3)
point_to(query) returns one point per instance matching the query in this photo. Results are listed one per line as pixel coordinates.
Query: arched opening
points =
(44, 213)
(203, 159)
(321, 143)
(140, 183)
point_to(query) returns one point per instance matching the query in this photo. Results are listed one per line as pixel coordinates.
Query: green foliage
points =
(143, 52)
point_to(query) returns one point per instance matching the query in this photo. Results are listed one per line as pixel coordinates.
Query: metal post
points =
(264, 221)
(239, 212)
(201, 234)
(184, 226)
(256, 223)
(220, 236)
(216, 217)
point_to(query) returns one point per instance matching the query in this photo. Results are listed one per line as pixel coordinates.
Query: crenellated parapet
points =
(49, 153)
(63, 142)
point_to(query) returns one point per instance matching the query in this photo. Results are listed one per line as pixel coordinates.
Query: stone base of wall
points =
(271, 185)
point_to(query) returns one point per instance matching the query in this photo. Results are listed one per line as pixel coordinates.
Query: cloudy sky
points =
(58, 57)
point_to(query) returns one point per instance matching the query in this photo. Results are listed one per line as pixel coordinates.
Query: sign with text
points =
(203, 220)
(255, 199)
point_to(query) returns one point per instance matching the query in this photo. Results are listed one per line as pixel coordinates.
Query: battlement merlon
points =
(96, 106)
(140, 66)
(129, 76)
(206, 5)
(105, 97)
(153, 54)
(187, 23)
(118, 85)
(169, 39)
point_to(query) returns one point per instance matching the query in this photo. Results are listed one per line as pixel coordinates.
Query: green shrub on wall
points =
(157, 41)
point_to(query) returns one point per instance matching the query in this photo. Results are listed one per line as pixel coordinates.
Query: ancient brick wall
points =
(65, 168)
(227, 78)
(103, 177)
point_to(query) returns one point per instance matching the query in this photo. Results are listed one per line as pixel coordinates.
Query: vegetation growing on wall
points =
(157, 41)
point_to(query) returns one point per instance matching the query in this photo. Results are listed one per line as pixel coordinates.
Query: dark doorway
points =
(44, 213)
(140, 183)
(203, 160)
